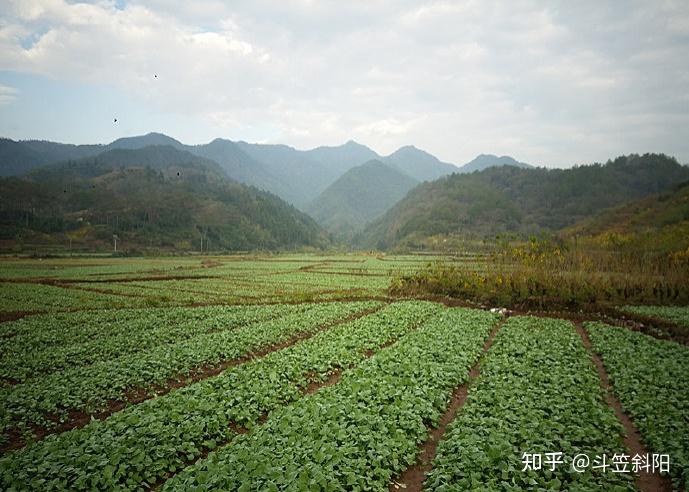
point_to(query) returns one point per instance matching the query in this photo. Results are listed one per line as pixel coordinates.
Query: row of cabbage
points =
(90, 388)
(143, 443)
(48, 343)
(650, 377)
(32, 297)
(674, 314)
(537, 402)
(360, 433)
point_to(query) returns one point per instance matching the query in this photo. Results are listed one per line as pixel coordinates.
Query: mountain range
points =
(156, 197)
(517, 200)
(155, 191)
(296, 176)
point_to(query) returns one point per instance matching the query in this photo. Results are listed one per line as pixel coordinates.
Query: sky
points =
(549, 83)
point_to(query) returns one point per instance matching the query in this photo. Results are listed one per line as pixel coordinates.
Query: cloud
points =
(7, 95)
(549, 82)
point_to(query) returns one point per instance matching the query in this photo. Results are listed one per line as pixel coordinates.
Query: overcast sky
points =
(549, 83)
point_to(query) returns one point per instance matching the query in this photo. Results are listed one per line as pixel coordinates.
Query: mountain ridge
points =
(152, 197)
(521, 201)
(359, 196)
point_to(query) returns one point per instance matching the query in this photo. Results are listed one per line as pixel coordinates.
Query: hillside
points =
(521, 201)
(656, 223)
(484, 161)
(360, 195)
(155, 197)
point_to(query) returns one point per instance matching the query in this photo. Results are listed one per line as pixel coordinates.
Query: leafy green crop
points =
(649, 376)
(90, 387)
(144, 442)
(538, 393)
(357, 434)
(675, 314)
(48, 343)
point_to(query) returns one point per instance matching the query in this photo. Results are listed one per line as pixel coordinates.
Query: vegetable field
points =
(302, 372)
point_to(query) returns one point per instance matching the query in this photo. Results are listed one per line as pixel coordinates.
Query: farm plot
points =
(38, 297)
(674, 314)
(145, 442)
(538, 393)
(357, 434)
(649, 376)
(45, 400)
(45, 343)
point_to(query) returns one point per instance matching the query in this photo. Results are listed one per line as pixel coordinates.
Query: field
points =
(305, 372)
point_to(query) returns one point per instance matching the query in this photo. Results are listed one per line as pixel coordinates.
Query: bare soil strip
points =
(412, 478)
(645, 482)
(78, 419)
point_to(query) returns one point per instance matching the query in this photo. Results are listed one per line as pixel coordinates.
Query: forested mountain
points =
(153, 197)
(659, 222)
(419, 164)
(297, 176)
(360, 195)
(484, 161)
(517, 200)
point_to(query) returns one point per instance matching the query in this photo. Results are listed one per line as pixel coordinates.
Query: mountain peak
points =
(140, 141)
(484, 161)
(419, 164)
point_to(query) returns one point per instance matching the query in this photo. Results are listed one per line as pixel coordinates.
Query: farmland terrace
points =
(317, 372)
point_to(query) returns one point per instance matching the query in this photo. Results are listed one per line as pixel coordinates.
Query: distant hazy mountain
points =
(360, 195)
(157, 158)
(484, 161)
(519, 200)
(419, 164)
(297, 176)
(17, 158)
(152, 197)
(342, 157)
(147, 140)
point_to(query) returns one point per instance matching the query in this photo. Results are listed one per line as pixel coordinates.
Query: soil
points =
(412, 479)
(645, 482)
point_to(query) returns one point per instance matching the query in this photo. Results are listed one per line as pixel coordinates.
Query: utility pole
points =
(114, 236)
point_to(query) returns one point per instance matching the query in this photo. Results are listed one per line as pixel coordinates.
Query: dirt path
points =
(412, 478)
(645, 482)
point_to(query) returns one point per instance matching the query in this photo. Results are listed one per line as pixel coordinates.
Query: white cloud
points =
(7, 94)
(550, 83)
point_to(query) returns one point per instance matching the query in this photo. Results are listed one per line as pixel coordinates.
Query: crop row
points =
(38, 297)
(89, 388)
(538, 393)
(41, 348)
(357, 434)
(144, 442)
(649, 376)
(674, 314)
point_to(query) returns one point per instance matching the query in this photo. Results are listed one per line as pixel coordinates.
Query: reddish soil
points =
(314, 386)
(413, 477)
(645, 482)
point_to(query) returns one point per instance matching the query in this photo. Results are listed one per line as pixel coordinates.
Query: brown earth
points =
(645, 482)
(412, 479)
